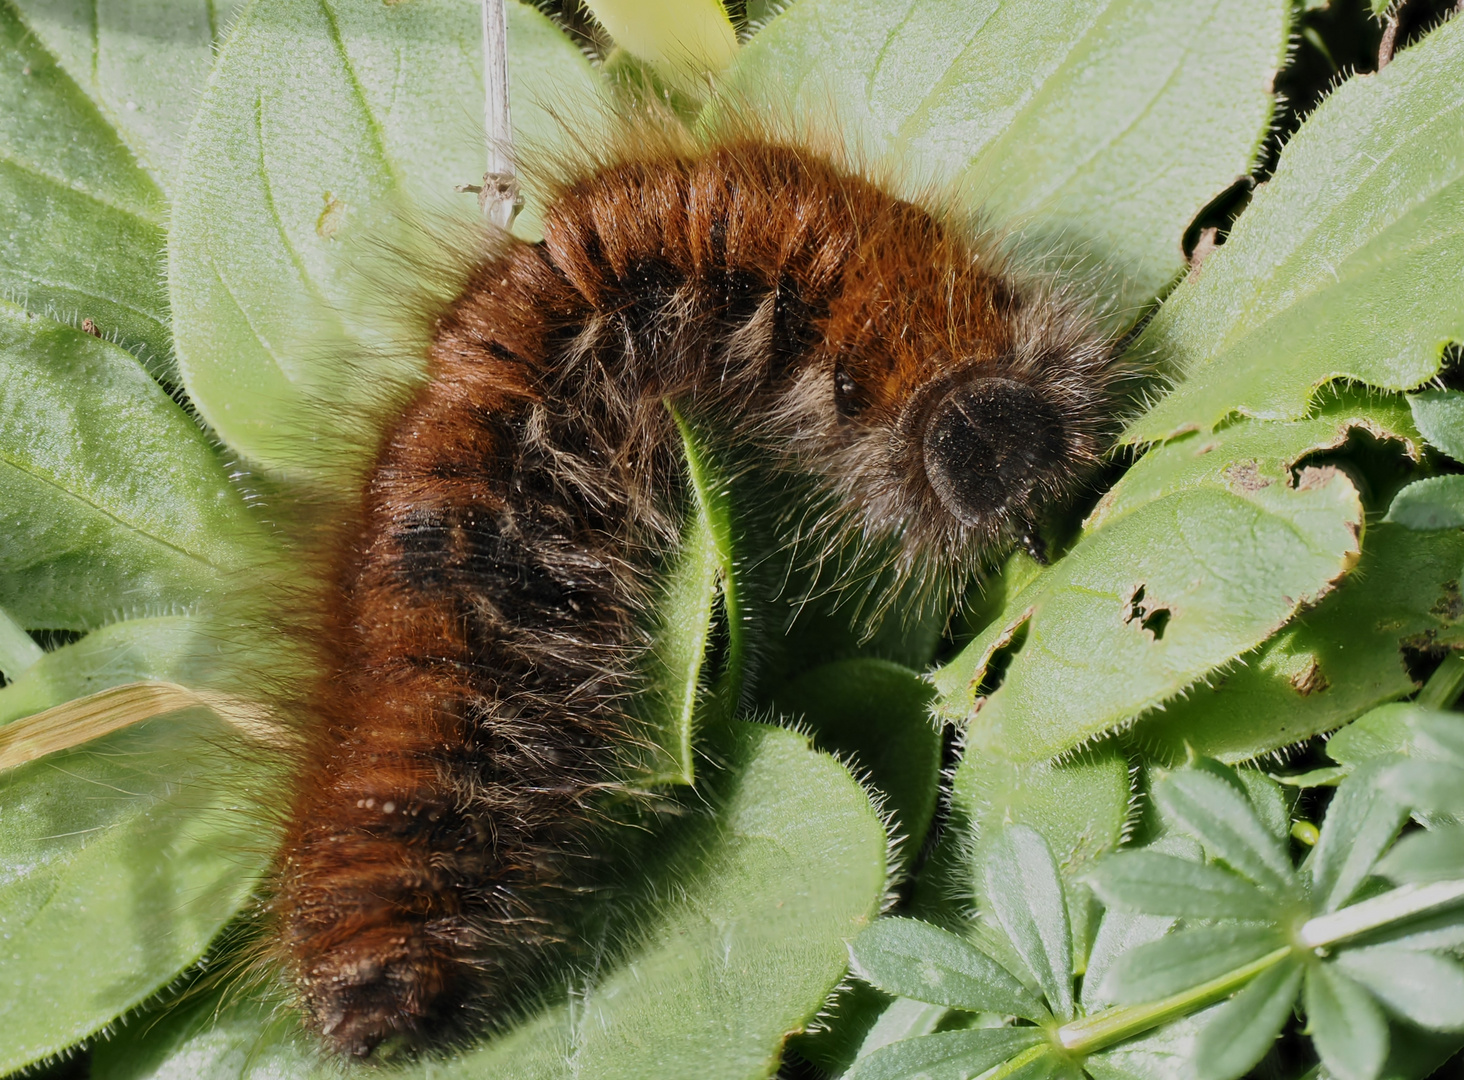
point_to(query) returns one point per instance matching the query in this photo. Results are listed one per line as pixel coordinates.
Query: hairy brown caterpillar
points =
(486, 616)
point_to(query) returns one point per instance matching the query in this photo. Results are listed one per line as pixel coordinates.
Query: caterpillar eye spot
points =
(988, 443)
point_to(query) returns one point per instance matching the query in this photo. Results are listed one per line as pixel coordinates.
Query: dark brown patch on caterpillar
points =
(485, 619)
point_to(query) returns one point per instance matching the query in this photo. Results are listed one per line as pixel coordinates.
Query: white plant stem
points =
(1401, 903)
(499, 196)
(1093, 1033)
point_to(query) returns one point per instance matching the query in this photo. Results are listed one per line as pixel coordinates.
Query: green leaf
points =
(1080, 806)
(1158, 884)
(1342, 659)
(873, 714)
(18, 649)
(1427, 990)
(1439, 415)
(1040, 114)
(1422, 857)
(1121, 931)
(1389, 729)
(1266, 796)
(1427, 785)
(1342, 266)
(1362, 820)
(322, 123)
(1202, 551)
(1156, 1055)
(1186, 959)
(1118, 933)
(143, 64)
(125, 858)
(672, 701)
(1240, 1032)
(1436, 502)
(914, 959)
(169, 648)
(1441, 736)
(745, 931)
(949, 1055)
(1442, 931)
(689, 38)
(1420, 1055)
(1330, 776)
(1347, 1027)
(83, 234)
(1027, 898)
(113, 500)
(903, 1018)
(1223, 820)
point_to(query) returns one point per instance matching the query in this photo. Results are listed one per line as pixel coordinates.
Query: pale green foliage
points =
(1253, 933)
(83, 223)
(112, 500)
(1344, 266)
(320, 125)
(1058, 144)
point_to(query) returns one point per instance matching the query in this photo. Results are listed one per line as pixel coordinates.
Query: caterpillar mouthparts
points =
(485, 619)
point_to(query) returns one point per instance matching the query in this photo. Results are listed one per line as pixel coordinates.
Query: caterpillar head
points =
(950, 406)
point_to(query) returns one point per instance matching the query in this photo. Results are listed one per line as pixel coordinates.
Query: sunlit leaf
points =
(323, 123)
(904, 1018)
(18, 650)
(83, 234)
(1434, 786)
(1121, 931)
(144, 65)
(1164, 885)
(125, 858)
(1428, 990)
(1342, 266)
(1186, 959)
(1239, 1033)
(1346, 1026)
(1342, 659)
(1389, 729)
(1439, 415)
(1433, 503)
(914, 959)
(1202, 551)
(684, 37)
(1362, 820)
(1027, 898)
(1053, 143)
(950, 1055)
(1426, 856)
(1217, 815)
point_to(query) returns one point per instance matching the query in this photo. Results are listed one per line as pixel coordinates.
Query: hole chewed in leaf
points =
(1450, 604)
(1151, 619)
(993, 668)
(1314, 477)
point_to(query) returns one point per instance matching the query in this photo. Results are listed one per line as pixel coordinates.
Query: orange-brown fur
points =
(486, 619)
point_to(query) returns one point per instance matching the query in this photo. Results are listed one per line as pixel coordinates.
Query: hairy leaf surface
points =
(1344, 264)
